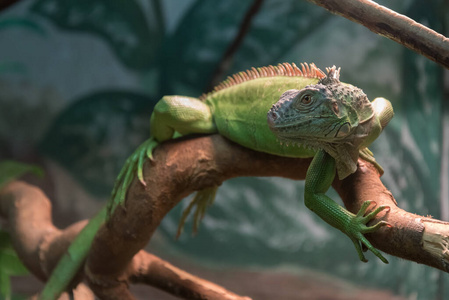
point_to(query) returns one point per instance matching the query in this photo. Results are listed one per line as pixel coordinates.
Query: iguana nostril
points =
(272, 117)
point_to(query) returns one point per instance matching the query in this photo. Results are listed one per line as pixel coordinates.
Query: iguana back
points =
(240, 104)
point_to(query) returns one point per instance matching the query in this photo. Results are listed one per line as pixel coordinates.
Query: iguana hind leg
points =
(172, 116)
(202, 200)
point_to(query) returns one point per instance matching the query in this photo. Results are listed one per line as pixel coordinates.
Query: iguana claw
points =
(357, 228)
(132, 165)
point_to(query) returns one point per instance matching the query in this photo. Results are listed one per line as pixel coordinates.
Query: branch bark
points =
(181, 167)
(394, 26)
(40, 244)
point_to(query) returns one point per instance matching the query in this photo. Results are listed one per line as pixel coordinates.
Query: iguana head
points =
(329, 115)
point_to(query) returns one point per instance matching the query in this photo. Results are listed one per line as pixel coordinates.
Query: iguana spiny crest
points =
(284, 69)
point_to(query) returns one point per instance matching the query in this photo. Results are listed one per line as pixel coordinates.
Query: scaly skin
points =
(316, 116)
(339, 121)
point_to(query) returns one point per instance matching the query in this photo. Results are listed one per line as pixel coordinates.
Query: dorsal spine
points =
(284, 69)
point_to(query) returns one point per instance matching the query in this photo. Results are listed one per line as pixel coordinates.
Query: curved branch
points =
(185, 165)
(180, 167)
(396, 27)
(40, 244)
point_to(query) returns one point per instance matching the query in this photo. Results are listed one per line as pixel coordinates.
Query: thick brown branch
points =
(396, 27)
(184, 166)
(181, 167)
(412, 237)
(40, 245)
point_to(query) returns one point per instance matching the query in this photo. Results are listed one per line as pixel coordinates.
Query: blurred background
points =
(79, 79)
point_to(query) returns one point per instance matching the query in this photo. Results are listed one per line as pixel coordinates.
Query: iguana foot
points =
(357, 228)
(202, 200)
(133, 164)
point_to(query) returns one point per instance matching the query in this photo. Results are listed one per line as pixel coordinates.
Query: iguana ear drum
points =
(335, 108)
(344, 130)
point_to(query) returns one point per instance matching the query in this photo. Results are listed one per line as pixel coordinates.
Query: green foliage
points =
(121, 23)
(193, 51)
(22, 23)
(15, 67)
(12, 67)
(267, 44)
(97, 133)
(10, 264)
(10, 170)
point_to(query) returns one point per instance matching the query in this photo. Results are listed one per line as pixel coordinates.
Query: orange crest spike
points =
(284, 69)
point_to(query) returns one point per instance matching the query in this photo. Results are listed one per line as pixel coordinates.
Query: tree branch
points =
(396, 27)
(182, 166)
(186, 165)
(40, 244)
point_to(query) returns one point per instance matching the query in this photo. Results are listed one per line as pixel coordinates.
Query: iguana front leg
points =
(319, 178)
(173, 116)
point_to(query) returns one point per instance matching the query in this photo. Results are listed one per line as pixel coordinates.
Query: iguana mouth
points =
(293, 125)
(272, 116)
(300, 143)
(294, 132)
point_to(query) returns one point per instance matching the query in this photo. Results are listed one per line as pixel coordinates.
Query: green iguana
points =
(283, 110)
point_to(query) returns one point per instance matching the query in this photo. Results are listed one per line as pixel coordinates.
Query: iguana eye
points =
(306, 99)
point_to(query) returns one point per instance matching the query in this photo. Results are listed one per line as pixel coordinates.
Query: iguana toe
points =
(357, 228)
(133, 165)
(202, 200)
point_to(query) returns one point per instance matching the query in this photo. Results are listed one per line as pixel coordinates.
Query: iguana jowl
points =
(339, 122)
(316, 116)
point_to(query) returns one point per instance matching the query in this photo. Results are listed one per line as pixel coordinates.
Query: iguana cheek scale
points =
(286, 111)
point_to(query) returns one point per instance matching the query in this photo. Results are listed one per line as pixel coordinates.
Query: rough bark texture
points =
(392, 25)
(181, 167)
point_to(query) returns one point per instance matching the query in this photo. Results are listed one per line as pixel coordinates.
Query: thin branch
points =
(226, 60)
(396, 27)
